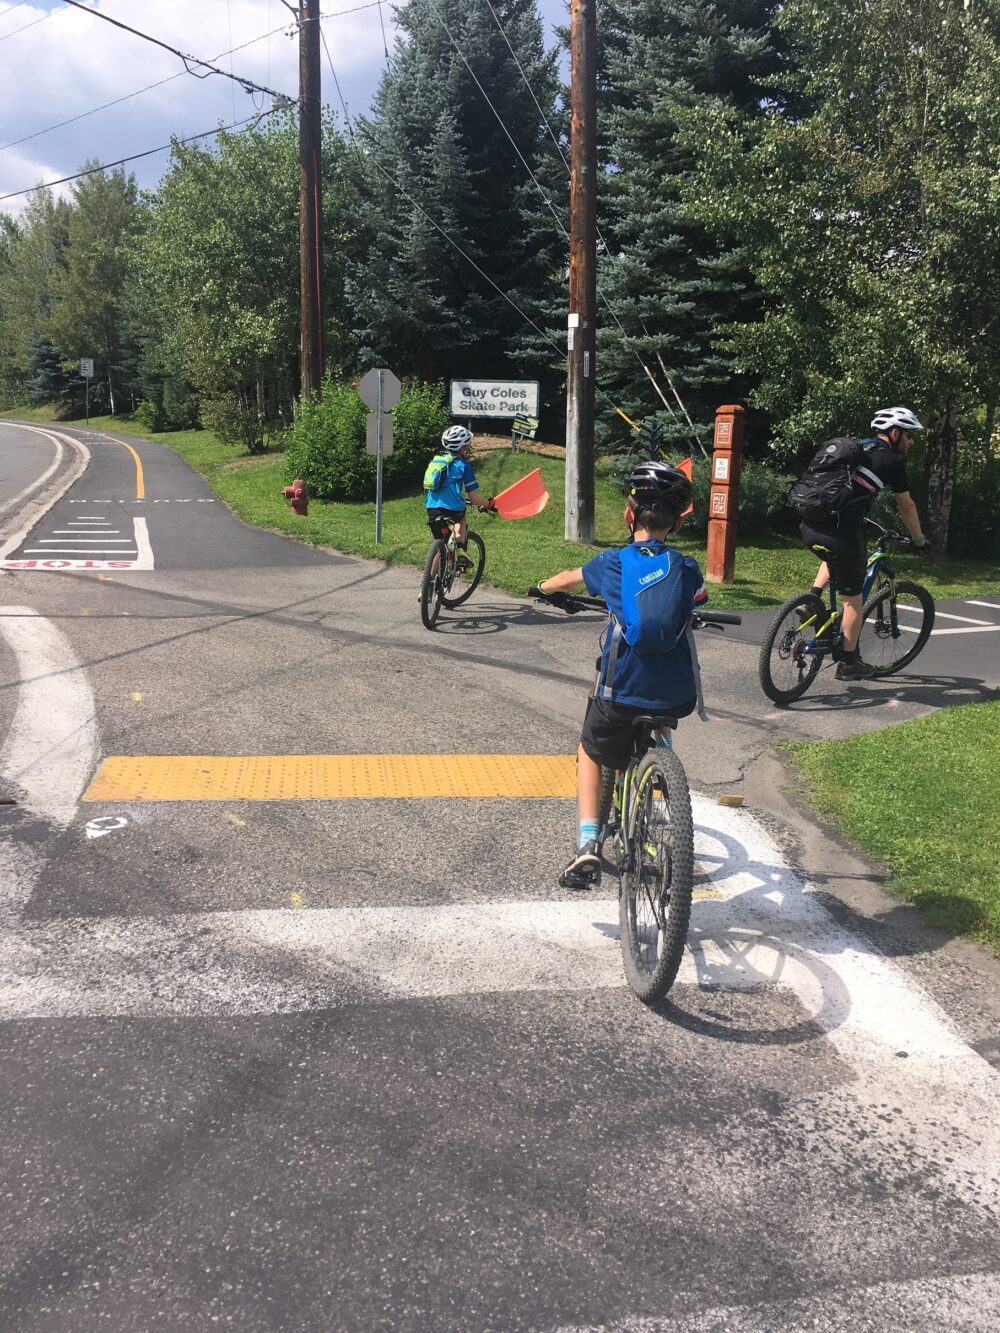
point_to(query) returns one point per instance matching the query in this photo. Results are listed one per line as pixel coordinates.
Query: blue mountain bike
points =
(805, 631)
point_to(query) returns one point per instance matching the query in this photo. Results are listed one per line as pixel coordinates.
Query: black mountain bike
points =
(451, 575)
(647, 837)
(898, 619)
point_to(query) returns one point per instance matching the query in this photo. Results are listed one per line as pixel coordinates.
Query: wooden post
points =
(581, 367)
(724, 496)
(310, 195)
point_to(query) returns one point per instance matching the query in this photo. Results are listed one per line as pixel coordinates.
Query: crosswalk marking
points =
(326, 777)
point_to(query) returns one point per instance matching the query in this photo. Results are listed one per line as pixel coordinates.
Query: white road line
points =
(145, 551)
(941, 615)
(39, 481)
(993, 606)
(36, 509)
(76, 531)
(76, 550)
(49, 751)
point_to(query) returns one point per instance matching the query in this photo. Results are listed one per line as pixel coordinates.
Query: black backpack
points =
(832, 485)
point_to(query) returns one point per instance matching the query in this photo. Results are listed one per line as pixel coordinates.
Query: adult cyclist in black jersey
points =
(885, 465)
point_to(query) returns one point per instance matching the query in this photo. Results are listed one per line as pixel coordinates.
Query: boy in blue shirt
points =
(453, 475)
(629, 682)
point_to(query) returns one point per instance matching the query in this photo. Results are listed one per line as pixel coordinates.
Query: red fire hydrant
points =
(297, 497)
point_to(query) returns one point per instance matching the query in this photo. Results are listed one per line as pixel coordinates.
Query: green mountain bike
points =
(647, 836)
(805, 631)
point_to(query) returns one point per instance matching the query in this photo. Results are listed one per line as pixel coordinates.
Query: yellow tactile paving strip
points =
(331, 777)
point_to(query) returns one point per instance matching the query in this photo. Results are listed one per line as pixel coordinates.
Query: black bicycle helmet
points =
(658, 487)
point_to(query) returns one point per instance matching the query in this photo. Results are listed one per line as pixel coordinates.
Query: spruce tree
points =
(668, 284)
(419, 305)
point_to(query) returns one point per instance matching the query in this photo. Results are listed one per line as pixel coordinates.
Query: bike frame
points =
(878, 571)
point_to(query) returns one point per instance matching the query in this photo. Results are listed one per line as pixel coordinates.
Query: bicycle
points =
(451, 575)
(805, 631)
(645, 817)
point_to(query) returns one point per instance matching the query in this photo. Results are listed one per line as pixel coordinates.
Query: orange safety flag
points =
(685, 467)
(524, 499)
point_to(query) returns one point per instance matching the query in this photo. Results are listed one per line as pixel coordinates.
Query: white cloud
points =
(72, 63)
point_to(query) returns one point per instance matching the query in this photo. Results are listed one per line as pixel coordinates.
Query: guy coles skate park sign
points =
(494, 398)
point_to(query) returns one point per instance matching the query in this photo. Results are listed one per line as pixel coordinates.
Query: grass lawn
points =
(922, 796)
(517, 554)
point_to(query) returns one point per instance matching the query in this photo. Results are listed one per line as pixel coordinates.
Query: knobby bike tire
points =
(431, 585)
(657, 876)
(782, 638)
(476, 551)
(876, 626)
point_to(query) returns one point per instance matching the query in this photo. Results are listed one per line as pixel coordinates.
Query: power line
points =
(134, 157)
(35, 22)
(500, 121)
(248, 85)
(148, 88)
(7, 9)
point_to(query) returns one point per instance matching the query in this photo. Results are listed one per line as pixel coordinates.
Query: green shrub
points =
(326, 444)
(763, 496)
(234, 421)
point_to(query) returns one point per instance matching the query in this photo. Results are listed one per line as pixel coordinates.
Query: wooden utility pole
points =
(581, 368)
(310, 201)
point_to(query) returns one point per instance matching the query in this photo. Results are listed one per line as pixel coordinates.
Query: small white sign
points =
(720, 468)
(371, 434)
(494, 398)
(87, 367)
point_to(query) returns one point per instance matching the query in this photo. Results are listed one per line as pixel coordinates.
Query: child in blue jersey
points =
(629, 682)
(454, 481)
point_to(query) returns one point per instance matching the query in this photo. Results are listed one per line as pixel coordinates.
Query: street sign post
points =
(380, 390)
(87, 371)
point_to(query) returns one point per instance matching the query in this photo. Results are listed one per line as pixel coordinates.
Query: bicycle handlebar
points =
(572, 603)
(889, 534)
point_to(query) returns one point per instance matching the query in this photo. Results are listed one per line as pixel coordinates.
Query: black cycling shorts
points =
(607, 729)
(844, 550)
(438, 520)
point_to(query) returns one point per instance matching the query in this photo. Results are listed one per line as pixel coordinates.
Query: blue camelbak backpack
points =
(654, 606)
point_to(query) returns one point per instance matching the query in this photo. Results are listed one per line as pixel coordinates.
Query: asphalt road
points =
(356, 1062)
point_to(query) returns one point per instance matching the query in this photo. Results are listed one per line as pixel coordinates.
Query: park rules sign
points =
(494, 398)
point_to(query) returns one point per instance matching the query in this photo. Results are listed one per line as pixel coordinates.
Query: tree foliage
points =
(667, 280)
(872, 222)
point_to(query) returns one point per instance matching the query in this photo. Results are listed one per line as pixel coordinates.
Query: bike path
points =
(359, 1063)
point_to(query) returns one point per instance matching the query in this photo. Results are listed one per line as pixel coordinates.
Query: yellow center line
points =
(329, 777)
(140, 484)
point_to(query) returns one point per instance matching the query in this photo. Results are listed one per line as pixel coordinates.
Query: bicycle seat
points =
(653, 722)
(819, 550)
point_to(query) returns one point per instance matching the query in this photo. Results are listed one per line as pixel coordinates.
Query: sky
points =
(57, 62)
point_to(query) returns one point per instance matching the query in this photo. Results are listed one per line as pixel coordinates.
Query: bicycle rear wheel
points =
(432, 586)
(657, 874)
(786, 666)
(465, 581)
(896, 626)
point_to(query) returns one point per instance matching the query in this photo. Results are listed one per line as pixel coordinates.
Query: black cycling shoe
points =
(584, 870)
(855, 669)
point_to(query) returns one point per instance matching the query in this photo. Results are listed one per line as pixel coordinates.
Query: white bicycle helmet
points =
(888, 417)
(456, 439)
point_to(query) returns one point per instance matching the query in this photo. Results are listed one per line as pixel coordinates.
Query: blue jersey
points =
(459, 476)
(655, 681)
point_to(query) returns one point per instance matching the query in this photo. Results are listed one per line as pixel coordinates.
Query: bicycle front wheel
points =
(788, 661)
(469, 565)
(897, 624)
(432, 586)
(657, 875)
